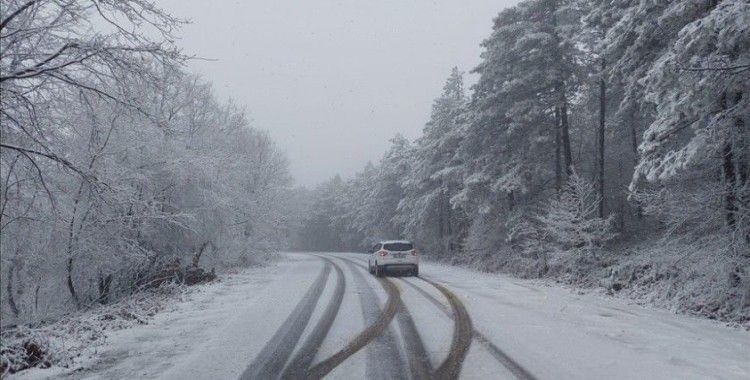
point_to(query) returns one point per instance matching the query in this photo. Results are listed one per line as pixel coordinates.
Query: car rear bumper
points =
(388, 261)
(404, 267)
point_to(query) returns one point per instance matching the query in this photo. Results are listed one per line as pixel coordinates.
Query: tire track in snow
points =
(516, 369)
(301, 361)
(271, 359)
(419, 361)
(462, 334)
(377, 329)
(450, 368)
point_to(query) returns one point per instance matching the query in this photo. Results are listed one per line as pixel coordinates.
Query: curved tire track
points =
(271, 359)
(516, 369)
(462, 334)
(419, 361)
(366, 336)
(303, 358)
(384, 348)
(450, 368)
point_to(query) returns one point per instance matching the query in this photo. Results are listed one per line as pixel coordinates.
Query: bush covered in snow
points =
(571, 221)
(60, 342)
(700, 277)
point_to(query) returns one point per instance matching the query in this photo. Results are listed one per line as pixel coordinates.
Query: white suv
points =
(393, 255)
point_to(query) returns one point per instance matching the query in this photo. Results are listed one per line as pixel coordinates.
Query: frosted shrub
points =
(524, 235)
(572, 221)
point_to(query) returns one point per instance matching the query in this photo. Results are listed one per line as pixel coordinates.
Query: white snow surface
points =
(553, 332)
(557, 333)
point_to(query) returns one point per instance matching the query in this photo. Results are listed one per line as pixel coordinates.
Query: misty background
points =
(333, 81)
(603, 144)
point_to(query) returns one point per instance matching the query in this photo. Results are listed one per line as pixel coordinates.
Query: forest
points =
(605, 144)
(119, 167)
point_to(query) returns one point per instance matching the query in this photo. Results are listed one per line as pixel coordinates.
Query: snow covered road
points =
(322, 315)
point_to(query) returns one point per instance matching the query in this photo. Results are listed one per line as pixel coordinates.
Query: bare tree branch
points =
(16, 13)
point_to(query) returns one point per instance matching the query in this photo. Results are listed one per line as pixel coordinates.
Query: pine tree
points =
(520, 106)
(699, 87)
(426, 211)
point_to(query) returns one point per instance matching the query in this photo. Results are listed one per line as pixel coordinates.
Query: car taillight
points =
(383, 253)
(413, 252)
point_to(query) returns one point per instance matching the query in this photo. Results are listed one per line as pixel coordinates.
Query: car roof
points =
(395, 241)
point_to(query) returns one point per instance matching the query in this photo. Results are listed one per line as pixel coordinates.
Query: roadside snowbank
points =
(676, 275)
(66, 341)
(73, 344)
(560, 334)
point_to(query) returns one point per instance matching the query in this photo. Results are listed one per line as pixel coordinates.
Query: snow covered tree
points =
(174, 175)
(699, 88)
(516, 146)
(425, 210)
(572, 222)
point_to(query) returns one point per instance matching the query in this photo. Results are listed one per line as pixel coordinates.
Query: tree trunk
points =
(71, 239)
(71, 288)
(728, 172)
(9, 289)
(197, 256)
(742, 155)
(36, 296)
(441, 221)
(602, 110)
(104, 285)
(564, 129)
(448, 220)
(558, 165)
(729, 184)
(621, 200)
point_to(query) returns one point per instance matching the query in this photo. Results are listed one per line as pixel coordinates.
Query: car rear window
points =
(398, 247)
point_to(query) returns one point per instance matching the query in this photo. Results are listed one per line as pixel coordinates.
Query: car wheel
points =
(415, 271)
(378, 270)
(369, 267)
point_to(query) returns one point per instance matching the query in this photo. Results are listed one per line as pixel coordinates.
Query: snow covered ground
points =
(522, 329)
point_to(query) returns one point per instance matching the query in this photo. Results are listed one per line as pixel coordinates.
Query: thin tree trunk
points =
(560, 92)
(729, 184)
(743, 187)
(71, 288)
(36, 296)
(71, 238)
(558, 142)
(448, 220)
(602, 115)
(742, 155)
(634, 145)
(567, 154)
(198, 255)
(9, 289)
(441, 219)
(105, 283)
(621, 200)
(728, 172)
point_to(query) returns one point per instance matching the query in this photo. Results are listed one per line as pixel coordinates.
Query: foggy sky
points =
(333, 81)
